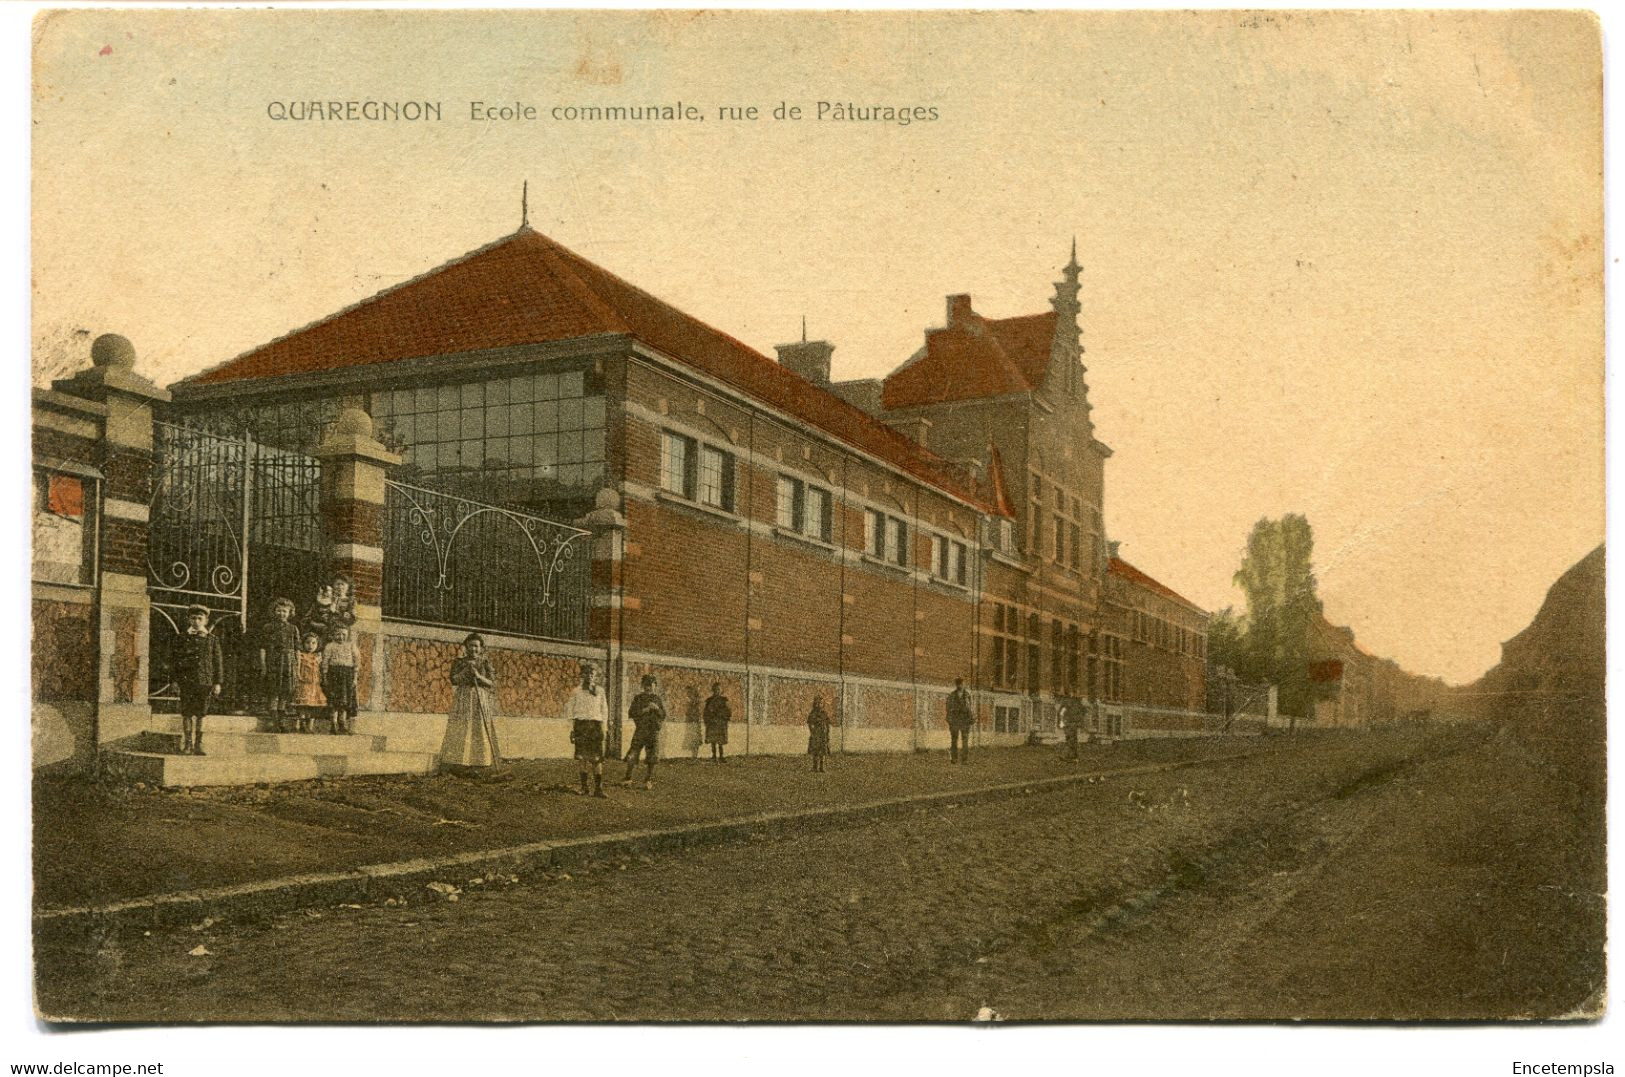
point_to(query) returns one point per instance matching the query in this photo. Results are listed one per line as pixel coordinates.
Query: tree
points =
(1277, 576)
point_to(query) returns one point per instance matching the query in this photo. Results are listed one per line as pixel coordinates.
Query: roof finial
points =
(524, 205)
(803, 329)
(1074, 249)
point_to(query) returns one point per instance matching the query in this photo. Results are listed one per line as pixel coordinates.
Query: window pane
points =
(570, 383)
(547, 416)
(424, 457)
(425, 399)
(496, 421)
(592, 412)
(521, 418)
(592, 445)
(544, 449)
(450, 426)
(547, 387)
(570, 447)
(592, 474)
(447, 398)
(473, 394)
(519, 451)
(786, 516)
(405, 427)
(473, 423)
(570, 474)
(401, 401)
(496, 392)
(570, 415)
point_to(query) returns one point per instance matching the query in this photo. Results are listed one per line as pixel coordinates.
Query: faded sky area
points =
(1345, 265)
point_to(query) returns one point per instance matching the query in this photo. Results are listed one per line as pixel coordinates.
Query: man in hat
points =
(960, 720)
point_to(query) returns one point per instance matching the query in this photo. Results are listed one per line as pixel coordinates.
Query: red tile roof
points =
(527, 289)
(974, 357)
(1119, 567)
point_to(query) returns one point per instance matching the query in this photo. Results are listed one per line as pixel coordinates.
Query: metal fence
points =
(466, 564)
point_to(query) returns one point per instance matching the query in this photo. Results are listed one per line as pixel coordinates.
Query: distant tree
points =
(1277, 576)
(1227, 639)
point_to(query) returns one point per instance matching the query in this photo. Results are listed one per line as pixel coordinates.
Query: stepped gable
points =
(974, 357)
(1119, 567)
(527, 289)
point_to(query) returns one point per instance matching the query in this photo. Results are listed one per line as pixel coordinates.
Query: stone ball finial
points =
(353, 421)
(110, 349)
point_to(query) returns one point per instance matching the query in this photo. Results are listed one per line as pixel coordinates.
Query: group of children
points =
(307, 665)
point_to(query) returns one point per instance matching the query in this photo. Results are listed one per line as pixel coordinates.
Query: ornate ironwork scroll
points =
(452, 561)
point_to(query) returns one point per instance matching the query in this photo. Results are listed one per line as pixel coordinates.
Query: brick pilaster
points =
(122, 607)
(354, 470)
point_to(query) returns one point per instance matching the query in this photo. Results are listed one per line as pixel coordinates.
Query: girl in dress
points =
(471, 733)
(818, 734)
(307, 684)
(278, 661)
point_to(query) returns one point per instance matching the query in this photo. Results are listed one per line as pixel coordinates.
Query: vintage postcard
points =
(698, 516)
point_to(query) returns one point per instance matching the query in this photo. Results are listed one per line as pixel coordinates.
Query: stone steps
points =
(239, 753)
(236, 743)
(248, 768)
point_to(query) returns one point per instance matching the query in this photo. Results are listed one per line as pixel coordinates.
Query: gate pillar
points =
(354, 467)
(122, 607)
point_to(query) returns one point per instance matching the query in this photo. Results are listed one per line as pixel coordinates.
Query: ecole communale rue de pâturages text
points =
(426, 111)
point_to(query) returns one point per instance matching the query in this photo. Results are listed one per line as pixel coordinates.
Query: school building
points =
(522, 442)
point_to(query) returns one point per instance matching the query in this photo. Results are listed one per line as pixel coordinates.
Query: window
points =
(1060, 540)
(64, 528)
(815, 517)
(1057, 659)
(716, 480)
(1073, 658)
(698, 472)
(676, 463)
(1007, 719)
(957, 565)
(1006, 645)
(885, 537)
(939, 556)
(1077, 534)
(896, 541)
(948, 559)
(803, 509)
(1034, 656)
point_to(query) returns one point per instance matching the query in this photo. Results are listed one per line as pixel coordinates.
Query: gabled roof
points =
(527, 289)
(974, 357)
(1119, 567)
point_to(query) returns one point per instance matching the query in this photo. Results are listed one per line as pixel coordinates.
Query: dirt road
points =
(1385, 875)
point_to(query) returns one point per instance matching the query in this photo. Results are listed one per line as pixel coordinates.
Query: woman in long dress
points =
(471, 733)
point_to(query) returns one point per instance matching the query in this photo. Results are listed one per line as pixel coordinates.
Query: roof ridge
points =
(554, 257)
(522, 230)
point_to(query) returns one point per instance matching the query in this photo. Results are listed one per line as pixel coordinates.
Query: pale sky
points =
(1344, 265)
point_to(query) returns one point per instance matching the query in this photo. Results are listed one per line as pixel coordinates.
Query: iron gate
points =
(232, 525)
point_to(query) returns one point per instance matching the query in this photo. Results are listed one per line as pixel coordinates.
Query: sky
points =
(1342, 265)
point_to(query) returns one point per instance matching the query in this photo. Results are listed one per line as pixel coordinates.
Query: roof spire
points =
(524, 205)
(803, 329)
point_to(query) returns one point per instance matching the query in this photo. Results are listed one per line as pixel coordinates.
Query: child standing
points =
(307, 687)
(279, 663)
(471, 732)
(818, 734)
(338, 679)
(198, 673)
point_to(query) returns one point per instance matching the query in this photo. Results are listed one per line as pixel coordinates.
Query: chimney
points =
(913, 427)
(809, 358)
(958, 309)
